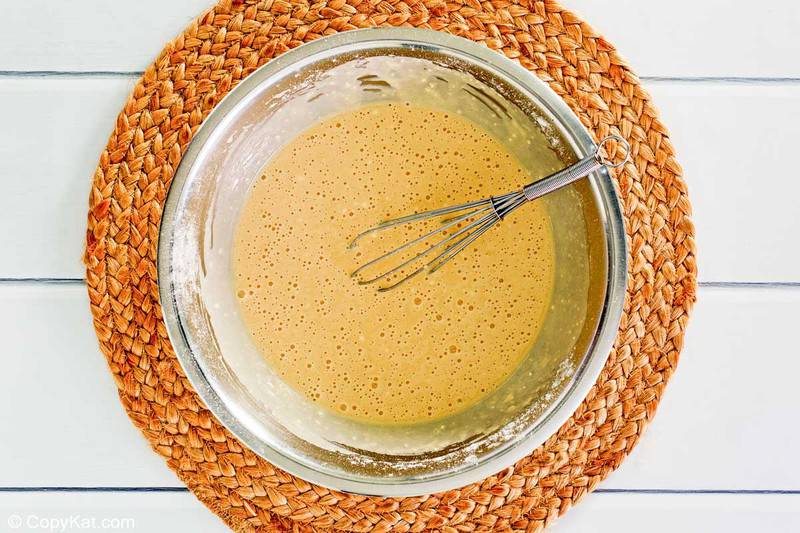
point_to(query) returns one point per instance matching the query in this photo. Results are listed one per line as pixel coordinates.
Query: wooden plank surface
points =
(160, 512)
(686, 513)
(743, 193)
(90, 35)
(678, 38)
(727, 419)
(63, 422)
(51, 135)
(143, 512)
(727, 422)
(734, 393)
(709, 38)
(735, 142)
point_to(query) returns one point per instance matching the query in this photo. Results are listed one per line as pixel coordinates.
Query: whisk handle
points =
(561, 178)
(574, 172)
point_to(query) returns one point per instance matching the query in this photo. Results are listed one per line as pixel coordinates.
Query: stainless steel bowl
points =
(269, 108)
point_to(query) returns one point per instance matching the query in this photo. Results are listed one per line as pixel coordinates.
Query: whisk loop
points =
(479, 217)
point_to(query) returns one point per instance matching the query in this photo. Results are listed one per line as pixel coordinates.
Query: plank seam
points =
(756, 492)
(136, 74)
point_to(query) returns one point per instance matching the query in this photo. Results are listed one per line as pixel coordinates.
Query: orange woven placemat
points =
(170, 101)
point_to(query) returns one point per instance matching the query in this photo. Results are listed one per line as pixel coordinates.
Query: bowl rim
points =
(593, 360)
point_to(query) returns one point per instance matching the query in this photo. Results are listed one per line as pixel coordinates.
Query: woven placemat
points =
(170, 101)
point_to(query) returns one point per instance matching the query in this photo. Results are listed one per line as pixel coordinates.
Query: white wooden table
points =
(722, 454)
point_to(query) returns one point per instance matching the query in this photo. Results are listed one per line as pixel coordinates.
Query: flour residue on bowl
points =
(437, 345)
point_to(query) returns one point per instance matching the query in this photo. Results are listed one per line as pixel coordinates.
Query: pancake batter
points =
(430, 348)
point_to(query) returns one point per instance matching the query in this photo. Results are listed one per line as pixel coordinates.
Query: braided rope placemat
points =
(167, 105)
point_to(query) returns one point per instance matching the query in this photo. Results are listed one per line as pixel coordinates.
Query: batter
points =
(428, 349)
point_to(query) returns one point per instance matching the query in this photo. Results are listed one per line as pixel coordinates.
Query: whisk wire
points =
(386, 224)
(423, 254)
(501, 210)
(467, 235)
(486, 213)
(445, 227)
(446, 256)
(491, 214)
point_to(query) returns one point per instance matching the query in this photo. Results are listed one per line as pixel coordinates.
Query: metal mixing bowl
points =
(256, 119)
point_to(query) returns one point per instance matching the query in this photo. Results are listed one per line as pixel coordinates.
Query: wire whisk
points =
(463, 224)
